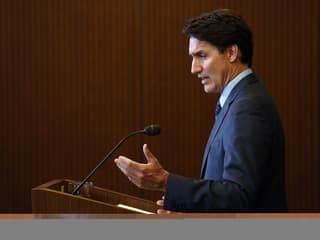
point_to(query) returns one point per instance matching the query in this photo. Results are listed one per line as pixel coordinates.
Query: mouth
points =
(204, 79)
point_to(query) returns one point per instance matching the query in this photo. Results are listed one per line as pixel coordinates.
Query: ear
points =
(233, 53)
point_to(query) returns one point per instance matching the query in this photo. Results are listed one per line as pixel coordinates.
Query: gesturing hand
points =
(148, 175)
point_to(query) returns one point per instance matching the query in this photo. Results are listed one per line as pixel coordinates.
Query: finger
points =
(162, 211)
(121, 165)
(148, 154)
(126, 170)
(131, 177)
(133, 180)
(127, 164)
(160, 203)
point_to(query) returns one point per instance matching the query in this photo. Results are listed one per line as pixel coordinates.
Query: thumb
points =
(148, 154)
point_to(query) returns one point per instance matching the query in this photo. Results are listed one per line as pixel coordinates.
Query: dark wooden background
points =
(78, 75)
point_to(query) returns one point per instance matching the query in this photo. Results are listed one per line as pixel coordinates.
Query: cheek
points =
(209, 66)
(217, 70)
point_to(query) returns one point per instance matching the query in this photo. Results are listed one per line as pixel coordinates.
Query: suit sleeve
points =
(246, 141)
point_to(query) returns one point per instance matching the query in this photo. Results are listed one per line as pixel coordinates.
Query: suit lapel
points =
(222, 115)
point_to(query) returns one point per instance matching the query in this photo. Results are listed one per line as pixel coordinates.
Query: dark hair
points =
(222, 28)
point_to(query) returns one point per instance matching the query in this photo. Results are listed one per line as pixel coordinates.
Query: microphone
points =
(151, 130)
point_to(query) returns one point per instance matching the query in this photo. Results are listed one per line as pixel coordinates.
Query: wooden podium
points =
(55, 197)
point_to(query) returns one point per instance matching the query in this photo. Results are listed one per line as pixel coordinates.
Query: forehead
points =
(196, 46)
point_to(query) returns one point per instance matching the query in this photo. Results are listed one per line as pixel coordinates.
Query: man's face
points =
(211, 66)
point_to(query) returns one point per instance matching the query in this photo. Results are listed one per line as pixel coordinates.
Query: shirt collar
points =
(227, 90)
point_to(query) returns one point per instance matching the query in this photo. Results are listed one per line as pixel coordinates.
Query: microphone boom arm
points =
(105, 158)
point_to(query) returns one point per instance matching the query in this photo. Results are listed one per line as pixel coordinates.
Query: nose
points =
(195, 66)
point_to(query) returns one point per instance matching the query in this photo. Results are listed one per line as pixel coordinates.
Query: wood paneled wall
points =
(78, 75)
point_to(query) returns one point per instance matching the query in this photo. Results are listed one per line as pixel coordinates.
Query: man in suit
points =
(243, 163)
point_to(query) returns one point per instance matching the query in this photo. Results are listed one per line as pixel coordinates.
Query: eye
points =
(202, 55)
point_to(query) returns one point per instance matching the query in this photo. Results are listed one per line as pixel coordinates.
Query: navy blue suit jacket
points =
(243, 163)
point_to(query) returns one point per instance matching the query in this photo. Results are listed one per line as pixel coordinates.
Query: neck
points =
(235, 71)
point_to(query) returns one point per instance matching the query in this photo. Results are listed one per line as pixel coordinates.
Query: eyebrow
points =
(197, 53)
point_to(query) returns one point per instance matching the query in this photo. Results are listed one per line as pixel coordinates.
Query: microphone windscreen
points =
(152, 130)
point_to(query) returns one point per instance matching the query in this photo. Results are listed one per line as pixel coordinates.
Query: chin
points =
(209, 89)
